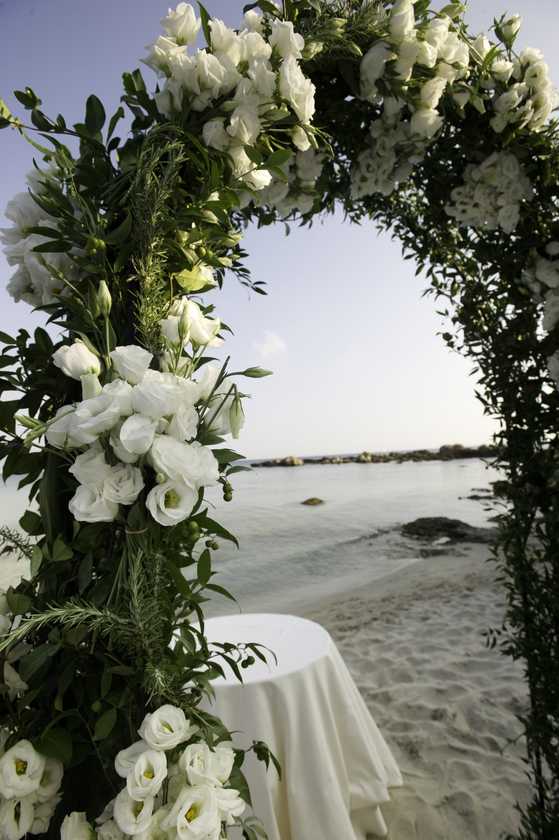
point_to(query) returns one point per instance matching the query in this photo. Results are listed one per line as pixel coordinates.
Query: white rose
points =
(229, 804)
(156, 396)
(426, 122)
(16, 817)
(123, 485)
(194, 814)
(204, 766)
(126, 759)
(21, 769)
(59, 432)
(402, 20)
(297, 89)
(93, 417)
(135, 437)
(43, 813)
(166, 728)
(91, 468)
(50, 780)
(244, 125)
(214, 134)
(76, 359)
(147, 775)
(190, 463)
(121, 392)
(131, 362)
(372, 68)
(131, 816)
(110, 831)
(171, 503)
(431, 92)
(89, 505)
(182, 24)
(13, 682)
(287, 42)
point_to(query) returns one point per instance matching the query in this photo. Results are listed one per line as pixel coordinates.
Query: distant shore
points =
(449, 452)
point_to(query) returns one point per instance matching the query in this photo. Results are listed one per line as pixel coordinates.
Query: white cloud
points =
(271, 345)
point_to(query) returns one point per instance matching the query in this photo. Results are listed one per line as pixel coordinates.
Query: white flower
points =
(203, 331)
(93, 417)
(123, 485)
(263, 80)
(89, 505)
(432, 91)
(76, 827)
(131, 362)
(110, 831)
(126, 759)
(90, 467)
(194, 814)
(190, 463)
(254, 48)
(426, 54)
(224, 41)
(214, 134)
(402, 20)
(121, 392)
(156, 396)
(508, 217)
(206, 382)
(59, 432)
(182, 24)
(162, 53)
(300, 140)
(43, 813)
(184, 423)
(147, 775)
(91, 387)
(135, 437)
(297, 89)
(204, 766)
(553, 367)
(13, 682)
(21, 769)
(253, 21)
(511, 27)
(16, 818)
(244, 169)
(132, 816)
(76, 359)
(426, 122)
(551, 311)
(171, 502)
(50, 780)
(230, 805)
(166, 728)
(287, 42)
(244, 124)
(372, 68)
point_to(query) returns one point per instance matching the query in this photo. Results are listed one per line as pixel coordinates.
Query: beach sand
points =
(445, 703)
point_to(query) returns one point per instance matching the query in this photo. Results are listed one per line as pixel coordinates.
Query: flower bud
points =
(312, 49)
(236, 416)
(94, 245)
(184, 325)
(104, 299)
(509, 29)
(91, 387)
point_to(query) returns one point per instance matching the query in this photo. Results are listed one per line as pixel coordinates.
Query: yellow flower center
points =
(137, 808)
(148, 774)
(172, 499)
(168, 727)
(21, 766)
(192, 813)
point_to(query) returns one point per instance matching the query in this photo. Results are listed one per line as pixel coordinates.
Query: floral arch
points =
(396, 113)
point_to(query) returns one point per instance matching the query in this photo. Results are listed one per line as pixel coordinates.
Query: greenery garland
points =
(388, 109)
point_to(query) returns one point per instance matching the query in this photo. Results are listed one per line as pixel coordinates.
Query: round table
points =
(336, 766)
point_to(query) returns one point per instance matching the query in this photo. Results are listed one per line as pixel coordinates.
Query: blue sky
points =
(357, 361)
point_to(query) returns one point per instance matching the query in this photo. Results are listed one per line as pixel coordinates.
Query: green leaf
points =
(31, 523)
(56, 742)
(8, 409)
(279, 157)
(225, 456)
(205, 17)
(54, 246)
(121, 233)
(7, 339)
(28, 98)
(217, 529)
(105, 725)
(18, 604)
(41, 121)
(60, 551)
(94, 114)
(238, 781)
(118, 115)
(36, 560)
(204, 571)
(32, 662)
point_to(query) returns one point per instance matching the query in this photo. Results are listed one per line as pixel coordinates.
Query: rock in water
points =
(434, 527)
(313, 501)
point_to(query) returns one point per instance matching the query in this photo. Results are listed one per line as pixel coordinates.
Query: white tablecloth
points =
(336, 765)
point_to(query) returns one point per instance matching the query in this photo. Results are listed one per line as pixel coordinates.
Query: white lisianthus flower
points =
(402, 20)
(297, 89)
(154, 831)
(372, 68)
(229, 804)
(76, 359)
(204, 766)
(91, 468)
(207, 381)
(110, 831)
(190, 463)
(244, 124)
(76, 827)
(131, 362)
(182, 24)
(431, 92)
(502, 69)
(203, 330)
(511, 27)
(244, 169)
(126, 759)
(89, 505)
(16, 817)
(254, 48)
(263, 79)
(300, 140)
(50, 780)
(214, 134)
(123, 485)
(166, 728)
(132, 816)
(121, 392)
(481, 46)
(156, 396)
(91, 387)
(13, 682)
(253, 21)
(426, 122)
(43, 812)
(135, 437)
(171, 502)
(21, 769)
(147, 775)
(194, 814)
(93, 417)
(162, 54)
(59, 432)
(427, 54)
(224, 41)
(184, 423)
(287, 42)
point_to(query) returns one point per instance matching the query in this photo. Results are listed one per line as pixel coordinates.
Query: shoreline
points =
(453, 452)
